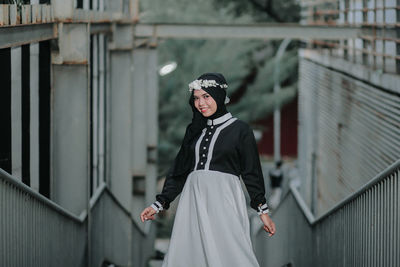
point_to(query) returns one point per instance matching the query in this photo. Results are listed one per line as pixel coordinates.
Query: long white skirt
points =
(211, 227)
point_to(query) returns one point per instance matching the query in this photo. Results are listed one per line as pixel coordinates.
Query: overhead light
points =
(167, 68)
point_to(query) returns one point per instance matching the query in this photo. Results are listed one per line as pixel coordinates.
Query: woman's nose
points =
(201, 101)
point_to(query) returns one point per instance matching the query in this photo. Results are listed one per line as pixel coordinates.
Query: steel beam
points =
(96, 28)
(256, 31)
(17, 35)
(388, 81)
(94, 16)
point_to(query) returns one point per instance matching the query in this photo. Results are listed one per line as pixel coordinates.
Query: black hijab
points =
(184, 161)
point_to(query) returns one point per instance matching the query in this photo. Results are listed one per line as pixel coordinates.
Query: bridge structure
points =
(79, 115)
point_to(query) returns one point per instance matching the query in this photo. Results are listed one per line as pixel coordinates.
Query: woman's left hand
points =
(147, 214)
(269, 225)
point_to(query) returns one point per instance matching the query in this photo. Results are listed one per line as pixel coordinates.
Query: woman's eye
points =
(206, 96)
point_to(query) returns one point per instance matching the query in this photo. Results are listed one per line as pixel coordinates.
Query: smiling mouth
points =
(203, 109)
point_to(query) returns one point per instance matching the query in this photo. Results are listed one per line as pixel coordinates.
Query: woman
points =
(211, 226)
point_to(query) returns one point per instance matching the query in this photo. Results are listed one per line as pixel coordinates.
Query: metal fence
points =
(378, 47)
(35, 231)
(114, 237)
(362, 230)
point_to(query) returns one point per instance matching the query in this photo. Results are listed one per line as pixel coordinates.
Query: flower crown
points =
(198, 84)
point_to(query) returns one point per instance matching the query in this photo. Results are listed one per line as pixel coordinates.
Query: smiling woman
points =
(211, 226)
(204, 103)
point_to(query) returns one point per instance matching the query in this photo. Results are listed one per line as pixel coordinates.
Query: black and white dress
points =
(211, 226)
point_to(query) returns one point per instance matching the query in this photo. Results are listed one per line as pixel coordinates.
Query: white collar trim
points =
(219, 120)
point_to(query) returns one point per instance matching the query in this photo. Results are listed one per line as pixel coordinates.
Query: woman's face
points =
(204, 103)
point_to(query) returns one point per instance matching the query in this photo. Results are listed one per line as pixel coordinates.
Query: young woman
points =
(211, 226)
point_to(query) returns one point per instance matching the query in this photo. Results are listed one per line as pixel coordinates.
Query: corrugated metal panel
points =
(363, 230)
(307, 131)
(353, 127)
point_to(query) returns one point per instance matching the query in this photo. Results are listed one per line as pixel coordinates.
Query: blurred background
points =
(94, 106)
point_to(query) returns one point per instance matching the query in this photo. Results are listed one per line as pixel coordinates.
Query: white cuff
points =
(157, 206)
(263, 209)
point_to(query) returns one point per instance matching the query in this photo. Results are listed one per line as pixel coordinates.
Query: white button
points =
(206, 139)
(204, 147)
(209, 133)
(201, 163)
(204, 155)
(212, 127)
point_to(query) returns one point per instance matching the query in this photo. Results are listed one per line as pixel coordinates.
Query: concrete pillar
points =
(34, 116)
(144, 139)
(70, 120)
(16, 113)
(101, 5)
(139, 132)
(134, 10)
(152, 124)
(102, 108)
(398, 36)
(95, 112)
(86, 4)
(120, 114)
(63, 9)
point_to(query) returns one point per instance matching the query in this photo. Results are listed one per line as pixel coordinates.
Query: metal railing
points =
(378, 45)
(35, 231)
(362, 230)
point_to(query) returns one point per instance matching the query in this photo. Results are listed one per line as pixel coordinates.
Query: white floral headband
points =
(198, 84)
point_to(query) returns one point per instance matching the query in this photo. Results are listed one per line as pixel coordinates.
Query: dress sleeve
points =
(250, 167)
(173, 184)
(172, 188)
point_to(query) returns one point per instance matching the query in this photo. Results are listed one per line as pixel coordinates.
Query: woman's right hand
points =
(147, 214)
(269, 225)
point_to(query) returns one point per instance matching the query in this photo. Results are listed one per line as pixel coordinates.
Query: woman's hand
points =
(269, 225)
(147, 214)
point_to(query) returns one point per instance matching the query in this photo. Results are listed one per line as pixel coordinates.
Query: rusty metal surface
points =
(352, 127)
(97, 28)
(25, 34)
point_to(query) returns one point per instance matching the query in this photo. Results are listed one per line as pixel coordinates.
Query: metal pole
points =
(277, 112)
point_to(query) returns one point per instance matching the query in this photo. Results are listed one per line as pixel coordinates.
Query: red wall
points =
(289, 122)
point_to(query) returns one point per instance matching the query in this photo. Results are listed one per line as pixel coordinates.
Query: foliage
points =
(260, 96)
(265, 10)
(184, 11)
(15, 2)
